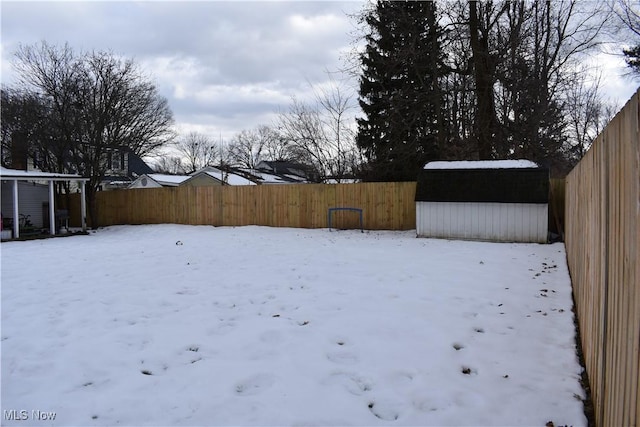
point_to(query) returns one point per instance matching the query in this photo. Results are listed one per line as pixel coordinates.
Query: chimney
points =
(19, 150)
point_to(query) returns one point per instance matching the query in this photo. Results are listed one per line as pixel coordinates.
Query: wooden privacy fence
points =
(603, 250)
(385, 206)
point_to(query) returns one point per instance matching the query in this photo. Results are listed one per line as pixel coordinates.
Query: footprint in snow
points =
(271, 336)
(351, 382)
(342, 358)
(384, 409)
(469, 371)
(254, 384)
(401, 378)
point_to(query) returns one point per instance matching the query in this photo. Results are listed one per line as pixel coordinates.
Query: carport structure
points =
(15, 175)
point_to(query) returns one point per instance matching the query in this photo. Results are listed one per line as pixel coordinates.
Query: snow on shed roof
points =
(482, 164)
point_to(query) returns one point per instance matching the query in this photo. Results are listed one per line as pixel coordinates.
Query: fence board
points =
(386, 206)
(603, 240)
(556, 206)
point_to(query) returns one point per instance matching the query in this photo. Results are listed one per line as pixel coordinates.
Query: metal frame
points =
(19, 175)
(345, 209)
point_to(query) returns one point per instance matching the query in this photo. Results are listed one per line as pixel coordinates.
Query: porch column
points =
(16, 214)
(52, 210)
(83, 206)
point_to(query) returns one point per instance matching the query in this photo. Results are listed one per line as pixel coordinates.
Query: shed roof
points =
(488, 185)
(482, 164)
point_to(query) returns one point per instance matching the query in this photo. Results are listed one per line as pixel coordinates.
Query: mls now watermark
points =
(24, 415)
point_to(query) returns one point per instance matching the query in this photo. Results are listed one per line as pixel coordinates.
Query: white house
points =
(210, 175)
(158, 180)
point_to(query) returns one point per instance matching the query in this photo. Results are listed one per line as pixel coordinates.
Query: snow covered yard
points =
(184, 325)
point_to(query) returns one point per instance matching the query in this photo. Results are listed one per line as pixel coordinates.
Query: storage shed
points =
(499, 201)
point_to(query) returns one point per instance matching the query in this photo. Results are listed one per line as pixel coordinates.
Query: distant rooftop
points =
(167, 179)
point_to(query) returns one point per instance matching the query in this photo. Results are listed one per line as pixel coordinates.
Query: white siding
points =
(144, 181)
(30, 199)
(499, 222)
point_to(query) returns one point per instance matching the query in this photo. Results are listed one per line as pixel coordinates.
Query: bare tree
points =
(628, 12)
(171, 165)
(321, 133)
(98, 103)
(587, 113)
(197, 150)
(24, 116)
(250, 147)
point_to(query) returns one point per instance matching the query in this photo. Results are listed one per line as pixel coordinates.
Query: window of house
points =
(116, 160)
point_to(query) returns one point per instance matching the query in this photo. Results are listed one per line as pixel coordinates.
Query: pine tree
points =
(632, 57)
(399, 90)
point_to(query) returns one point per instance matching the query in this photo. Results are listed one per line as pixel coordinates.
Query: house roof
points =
(269, 178)
(20, 175)
(283, 167)
(163, 180)
(168, 180)
(233, 179)
(216, 174)
(202, 172)
(137, 166)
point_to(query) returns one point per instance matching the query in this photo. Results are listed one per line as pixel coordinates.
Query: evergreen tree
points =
(399, 90)
(632, 57)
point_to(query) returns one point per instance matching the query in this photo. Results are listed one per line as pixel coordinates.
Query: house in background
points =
(291, 170)
(123, 168)
(288, 173)
(157, 180)
(262, 177)
(210, 175)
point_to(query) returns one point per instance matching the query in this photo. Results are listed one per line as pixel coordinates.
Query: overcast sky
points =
(223, 66)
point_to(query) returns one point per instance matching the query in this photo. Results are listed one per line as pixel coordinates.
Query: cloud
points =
(226, 65)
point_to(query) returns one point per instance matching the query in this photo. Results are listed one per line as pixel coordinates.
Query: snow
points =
(233, 179)
(164, 179)
(482, 164)
(294, 177)
(267, 178)
(198, 325)
(22, 174)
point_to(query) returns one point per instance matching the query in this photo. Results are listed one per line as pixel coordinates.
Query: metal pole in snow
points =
(16, 214)
(83, 206)
(52, 210)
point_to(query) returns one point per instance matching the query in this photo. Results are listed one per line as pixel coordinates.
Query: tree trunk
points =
(92, 207)
(485, 123)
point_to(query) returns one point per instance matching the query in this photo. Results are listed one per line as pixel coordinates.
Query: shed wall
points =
(30, 199)
(499, 222)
